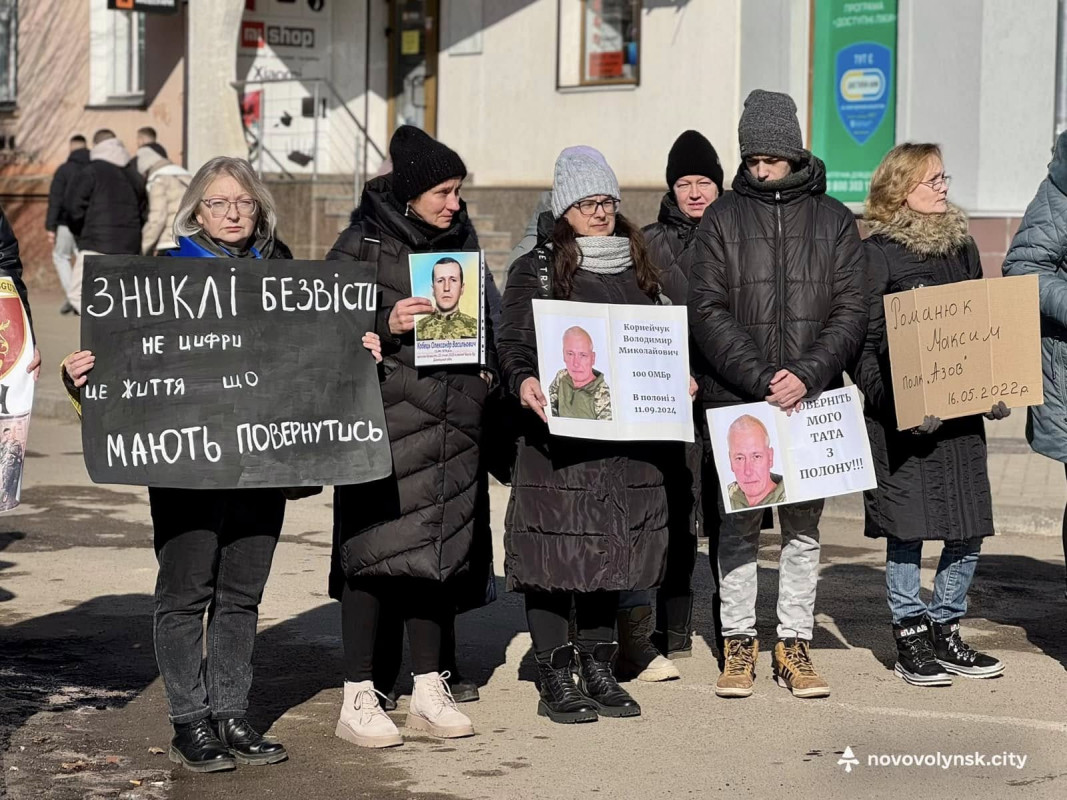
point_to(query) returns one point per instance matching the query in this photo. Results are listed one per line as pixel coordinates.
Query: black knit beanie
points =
(420, 162)
(692, 154)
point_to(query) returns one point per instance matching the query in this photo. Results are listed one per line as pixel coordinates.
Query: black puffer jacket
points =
(57, 192)
(932, 486)
(106, 206)
(583, 515)
(670, 235)
(421, 521)
(776, 280)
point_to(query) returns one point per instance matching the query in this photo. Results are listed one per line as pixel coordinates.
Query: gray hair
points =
(240, 170)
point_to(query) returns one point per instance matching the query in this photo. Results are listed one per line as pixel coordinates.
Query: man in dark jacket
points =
(56, 222)
(106, 205)
(777, 311)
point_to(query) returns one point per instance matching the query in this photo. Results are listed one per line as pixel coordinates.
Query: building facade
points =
(311, 90)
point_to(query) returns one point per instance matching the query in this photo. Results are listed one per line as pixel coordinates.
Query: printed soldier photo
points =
(578, 391)
(751, 460)
(447, 322)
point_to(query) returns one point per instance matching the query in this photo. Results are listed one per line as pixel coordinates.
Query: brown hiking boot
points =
(794, 671)
(739, 667)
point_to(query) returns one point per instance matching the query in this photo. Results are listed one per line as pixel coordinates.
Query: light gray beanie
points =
(769, 127)
(580, 172)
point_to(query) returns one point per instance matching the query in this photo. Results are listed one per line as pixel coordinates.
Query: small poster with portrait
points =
(765, 457)
(455, 332)
(16, 391)
(614, 372)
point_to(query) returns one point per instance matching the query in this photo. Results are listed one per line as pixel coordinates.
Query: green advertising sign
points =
(853, 98)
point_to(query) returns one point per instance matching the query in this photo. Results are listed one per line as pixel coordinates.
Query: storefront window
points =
(610, 41)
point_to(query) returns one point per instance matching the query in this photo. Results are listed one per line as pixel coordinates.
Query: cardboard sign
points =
(959, 349)
(765, 458)
(227, 373)
(614, 372)
(16, 391)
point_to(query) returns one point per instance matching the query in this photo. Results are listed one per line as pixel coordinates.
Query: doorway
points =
(413, 45)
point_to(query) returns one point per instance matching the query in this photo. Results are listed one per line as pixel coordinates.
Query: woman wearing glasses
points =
(214, 546)
(586, 519)
(932, 480)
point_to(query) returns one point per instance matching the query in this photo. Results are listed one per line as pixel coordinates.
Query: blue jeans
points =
(955, 571)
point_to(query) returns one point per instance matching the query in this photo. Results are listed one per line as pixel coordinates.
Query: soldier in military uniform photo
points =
(447, 322)
(579, 391)
(751, 459)
(10, 468)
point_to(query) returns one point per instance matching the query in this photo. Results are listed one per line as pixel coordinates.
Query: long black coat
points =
(669, 235)
(932, 486)
(776, 281)
(583, 515)
(419, 522)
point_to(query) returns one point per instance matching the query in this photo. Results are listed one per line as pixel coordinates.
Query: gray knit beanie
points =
(581, 172)
(769, 127)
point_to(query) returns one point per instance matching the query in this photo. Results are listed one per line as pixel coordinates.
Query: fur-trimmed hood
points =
(926, 234)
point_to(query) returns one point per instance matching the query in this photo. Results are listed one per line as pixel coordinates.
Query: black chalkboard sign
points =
(226, 373)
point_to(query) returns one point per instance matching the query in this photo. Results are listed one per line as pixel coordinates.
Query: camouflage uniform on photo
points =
(455, 326)
(774, 496)
(592, 401)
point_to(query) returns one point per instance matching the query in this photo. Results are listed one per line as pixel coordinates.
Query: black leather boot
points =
(596, 679)
(561, 701)
(247, 745)
(196, 747)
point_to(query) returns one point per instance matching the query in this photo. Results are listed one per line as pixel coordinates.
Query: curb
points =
(53, 405)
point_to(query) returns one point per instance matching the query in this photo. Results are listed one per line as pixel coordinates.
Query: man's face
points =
(751, 460)
(768, 168)
(447, 287)
(579, 358)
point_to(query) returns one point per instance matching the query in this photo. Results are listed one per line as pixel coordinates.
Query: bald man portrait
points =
(579, 391)
(751, 460)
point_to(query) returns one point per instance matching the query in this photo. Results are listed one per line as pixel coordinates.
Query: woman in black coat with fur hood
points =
(933, 483)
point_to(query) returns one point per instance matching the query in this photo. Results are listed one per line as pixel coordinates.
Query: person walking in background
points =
(586, 519)
(106, 206)
(146, 137)
(1040, 248)
(933, 483)
(165, 184)
(64, 248)
(404, 545)
(777, 310)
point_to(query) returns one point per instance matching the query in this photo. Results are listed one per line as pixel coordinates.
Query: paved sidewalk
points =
(1029, 491)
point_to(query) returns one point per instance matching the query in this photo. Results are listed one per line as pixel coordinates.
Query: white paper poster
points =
(765, 458)
(614, 372)
(16, 392)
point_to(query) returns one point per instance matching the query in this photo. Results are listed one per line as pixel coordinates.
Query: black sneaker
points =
(463, 689)
(957, 656)
(916, 663)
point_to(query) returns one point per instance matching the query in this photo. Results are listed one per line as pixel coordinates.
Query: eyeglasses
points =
(588, 208)
(940, 180)
(219, 208)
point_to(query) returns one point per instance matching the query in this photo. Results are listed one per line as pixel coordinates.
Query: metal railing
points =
(345, 144)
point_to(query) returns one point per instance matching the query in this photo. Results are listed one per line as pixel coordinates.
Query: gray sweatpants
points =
(798, 569)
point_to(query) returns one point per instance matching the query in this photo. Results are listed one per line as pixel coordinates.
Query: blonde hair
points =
(240, 170)
(899, 173)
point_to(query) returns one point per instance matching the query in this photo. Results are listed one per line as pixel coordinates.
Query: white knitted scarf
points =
(604, 255)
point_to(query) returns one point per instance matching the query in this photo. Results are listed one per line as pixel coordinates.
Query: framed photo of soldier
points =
(455, 332)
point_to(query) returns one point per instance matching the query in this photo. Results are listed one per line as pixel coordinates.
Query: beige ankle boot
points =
(362, 720)
(433, 710)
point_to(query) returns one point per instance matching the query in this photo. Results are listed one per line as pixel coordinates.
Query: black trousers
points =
(214, 549)
(548, 614)
(368, 603)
